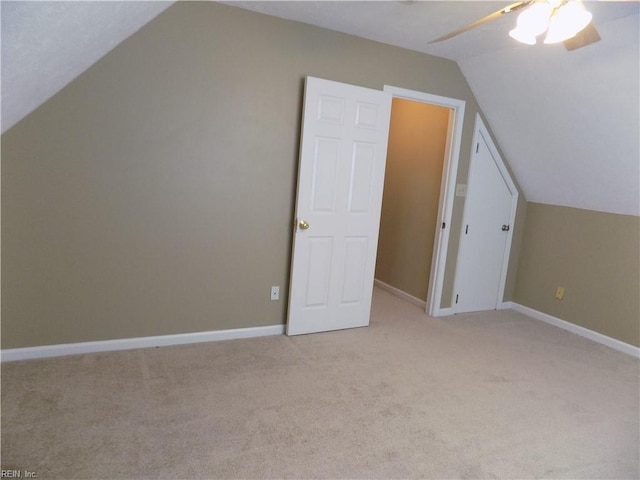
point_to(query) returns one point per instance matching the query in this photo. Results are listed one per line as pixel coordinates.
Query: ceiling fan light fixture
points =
(567, 21)
(562, 20)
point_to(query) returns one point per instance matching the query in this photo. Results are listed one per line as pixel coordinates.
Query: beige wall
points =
(154, 195)
(595, 256)
(417, 141)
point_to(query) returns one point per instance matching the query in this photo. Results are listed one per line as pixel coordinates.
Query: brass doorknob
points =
(303, 225)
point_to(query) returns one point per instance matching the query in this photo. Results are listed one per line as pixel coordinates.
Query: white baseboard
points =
(400, 294)
(584, 332)
(444, 312)
(28, 353)
(505, 306)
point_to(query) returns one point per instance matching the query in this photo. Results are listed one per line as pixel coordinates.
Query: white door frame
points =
(447, 190)
(480, 130)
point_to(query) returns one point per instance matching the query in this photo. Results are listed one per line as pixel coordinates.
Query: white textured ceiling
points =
(45, 45)
(567, 122)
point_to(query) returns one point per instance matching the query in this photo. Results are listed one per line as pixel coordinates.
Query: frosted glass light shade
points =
(522, 36)
(566, 22)
(535, 19)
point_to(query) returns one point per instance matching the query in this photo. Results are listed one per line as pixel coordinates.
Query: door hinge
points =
(477, 147)
(444, 225)
(466, 230)
(457, 298)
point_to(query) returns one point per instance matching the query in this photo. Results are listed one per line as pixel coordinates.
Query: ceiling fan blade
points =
(508, 9)
(585, 37)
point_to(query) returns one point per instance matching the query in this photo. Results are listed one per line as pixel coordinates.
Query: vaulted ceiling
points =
(45, 45)
(567, 122)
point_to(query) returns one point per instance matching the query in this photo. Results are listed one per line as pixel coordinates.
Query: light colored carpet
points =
(489, 395)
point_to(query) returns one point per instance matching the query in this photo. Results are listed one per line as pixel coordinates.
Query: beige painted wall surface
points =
(417, 141)
(154, 195)
(595, 256)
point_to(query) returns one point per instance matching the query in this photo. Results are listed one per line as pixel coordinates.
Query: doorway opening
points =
(415, 157)
(422, 164)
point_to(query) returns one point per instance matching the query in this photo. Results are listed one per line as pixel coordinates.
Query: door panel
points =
(325, 171)
(362, 170)
(340, 181)
(354, 269)
(320, 256)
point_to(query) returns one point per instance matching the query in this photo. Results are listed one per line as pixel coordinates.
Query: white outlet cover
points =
(461, 190)
(275, 293)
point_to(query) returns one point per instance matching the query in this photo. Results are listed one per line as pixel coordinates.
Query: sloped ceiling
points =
(567, 122)
(45, 45)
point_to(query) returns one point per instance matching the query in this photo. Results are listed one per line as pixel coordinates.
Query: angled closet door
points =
(489, 213)
(340, 181)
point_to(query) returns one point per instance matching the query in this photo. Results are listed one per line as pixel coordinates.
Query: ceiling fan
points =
(564, 21)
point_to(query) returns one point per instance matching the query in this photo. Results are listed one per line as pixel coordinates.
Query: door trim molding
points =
(480, 131)
(447, 190)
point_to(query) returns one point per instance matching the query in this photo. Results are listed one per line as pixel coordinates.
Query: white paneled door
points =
(340, 181)
(487, 229)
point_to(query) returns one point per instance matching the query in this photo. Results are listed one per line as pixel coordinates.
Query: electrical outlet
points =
(461, 190)
(275, 293)
(560, 293)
